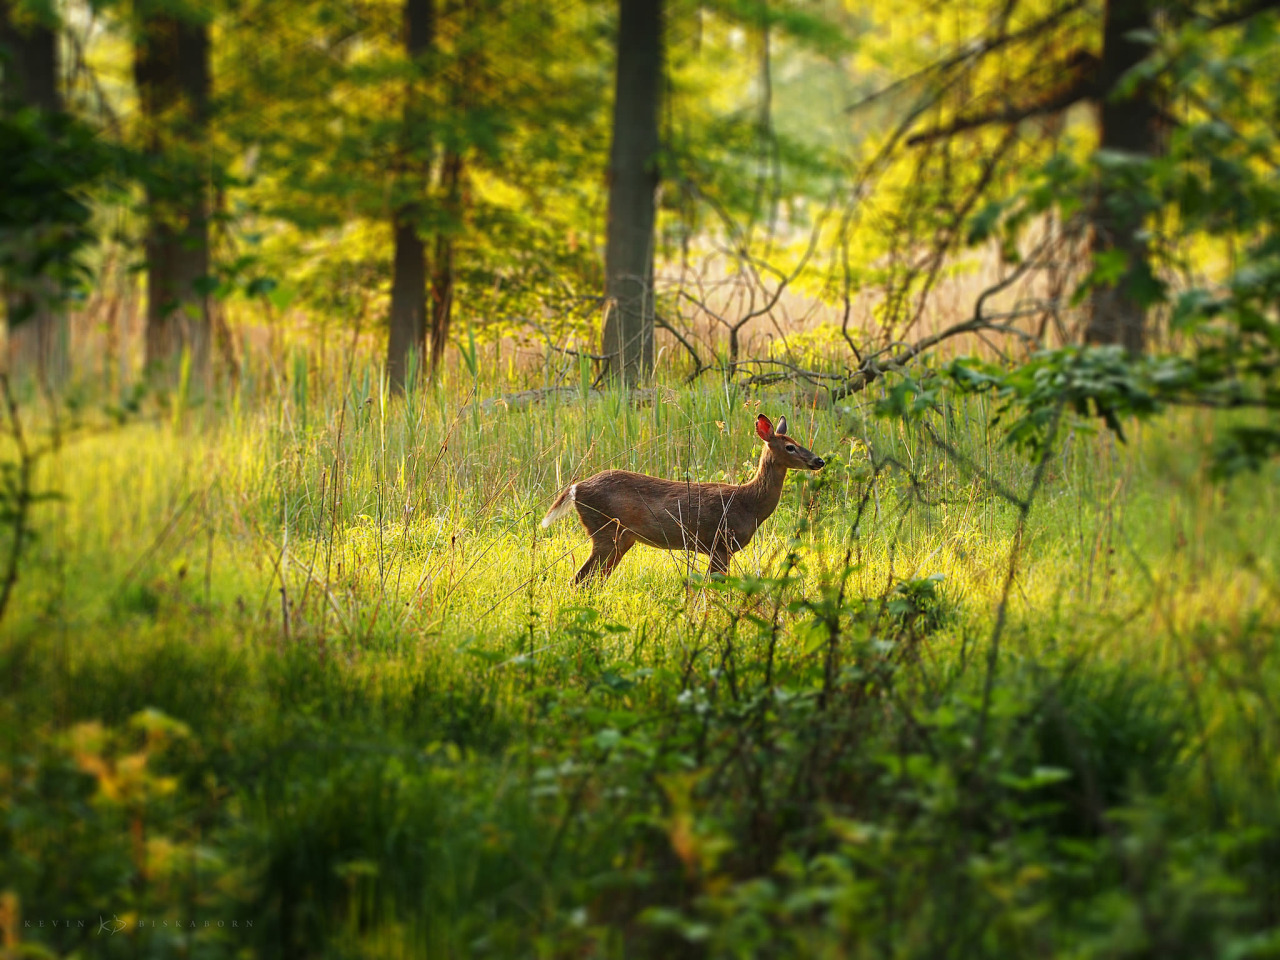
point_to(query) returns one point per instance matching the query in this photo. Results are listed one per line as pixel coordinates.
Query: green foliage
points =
(1215, 189)
(1244, 449)
(920, 604)
(48, 165)
(1108, 384)
(1101, 382)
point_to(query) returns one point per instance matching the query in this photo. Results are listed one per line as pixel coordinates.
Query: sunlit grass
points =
(393, 696)
(435, 505)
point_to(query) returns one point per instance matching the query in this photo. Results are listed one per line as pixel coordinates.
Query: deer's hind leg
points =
(608, 546)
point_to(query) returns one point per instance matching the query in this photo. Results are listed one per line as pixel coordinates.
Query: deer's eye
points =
(791, 448)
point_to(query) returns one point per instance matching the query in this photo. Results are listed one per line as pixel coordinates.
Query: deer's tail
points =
(563, 505)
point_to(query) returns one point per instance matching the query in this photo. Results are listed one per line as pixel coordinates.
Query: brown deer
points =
(620, 508)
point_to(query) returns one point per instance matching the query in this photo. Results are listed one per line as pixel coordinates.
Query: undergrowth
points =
(293, 671)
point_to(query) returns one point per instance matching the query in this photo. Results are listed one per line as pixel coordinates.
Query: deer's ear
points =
(782, 426)
(763, 427)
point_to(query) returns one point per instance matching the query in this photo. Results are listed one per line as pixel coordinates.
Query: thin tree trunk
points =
(633, 181)
(38, 328)
(462, 92)
(224, 345)
(442, 277)
(1127, 125)
(171, 69)
(407, 318)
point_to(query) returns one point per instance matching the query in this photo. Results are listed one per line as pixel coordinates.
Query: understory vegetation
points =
(292, 670)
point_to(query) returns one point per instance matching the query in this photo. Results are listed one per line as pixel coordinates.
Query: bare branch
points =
(970, 52)
(567, 351)
(1085, 88)
(1244, 12)
(699, 366)
(874, 367)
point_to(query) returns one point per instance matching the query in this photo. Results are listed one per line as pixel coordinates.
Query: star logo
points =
(112, 926)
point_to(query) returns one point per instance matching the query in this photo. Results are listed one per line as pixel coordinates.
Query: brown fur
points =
(620, 509)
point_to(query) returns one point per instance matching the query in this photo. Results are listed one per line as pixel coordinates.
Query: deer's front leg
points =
(719, 565)
(722, 549)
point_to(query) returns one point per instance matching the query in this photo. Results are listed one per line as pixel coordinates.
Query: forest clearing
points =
(315, 313)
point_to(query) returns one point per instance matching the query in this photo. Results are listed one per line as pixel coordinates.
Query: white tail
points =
(620, 508)
(562, 506)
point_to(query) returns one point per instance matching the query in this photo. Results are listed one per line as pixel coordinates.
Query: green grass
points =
(299, 655)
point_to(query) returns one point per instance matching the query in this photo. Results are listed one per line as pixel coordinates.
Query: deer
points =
(619, 508)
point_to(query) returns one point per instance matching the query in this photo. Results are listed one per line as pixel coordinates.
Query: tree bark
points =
(462, 94)
(408, 300)
(38, 330)
(442, 277)
(407, 317)
(31, 70)
(633, 181)
(171, 70)
(1127, 125)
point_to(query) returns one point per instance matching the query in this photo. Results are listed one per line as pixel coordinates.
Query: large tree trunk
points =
(31, 70)
(1127, 125)
(408, 299)
(38, 329)
(409, 279)
(171, 69)
(633, 181)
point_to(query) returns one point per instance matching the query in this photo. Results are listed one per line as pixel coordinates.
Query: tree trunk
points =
(1127, 125)
(442, 275)
(171, 69)
(407, 318)
(462, 92)
(31, 71)
(633, 181)
(408, 300)
(38, 329)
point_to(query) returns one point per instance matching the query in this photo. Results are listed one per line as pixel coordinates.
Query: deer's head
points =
(784, 449)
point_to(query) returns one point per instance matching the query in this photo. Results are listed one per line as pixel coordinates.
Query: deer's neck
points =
(764, 490)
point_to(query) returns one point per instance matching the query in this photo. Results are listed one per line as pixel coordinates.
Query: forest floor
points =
(294, 671)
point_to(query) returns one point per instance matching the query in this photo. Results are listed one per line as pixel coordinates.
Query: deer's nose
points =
(818, 463)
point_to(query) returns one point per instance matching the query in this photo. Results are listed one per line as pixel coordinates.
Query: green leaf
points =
(984, 222)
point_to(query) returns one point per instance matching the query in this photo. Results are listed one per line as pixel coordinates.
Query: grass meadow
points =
(292, 670)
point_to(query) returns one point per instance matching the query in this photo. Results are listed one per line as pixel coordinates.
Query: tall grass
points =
(298, 654)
